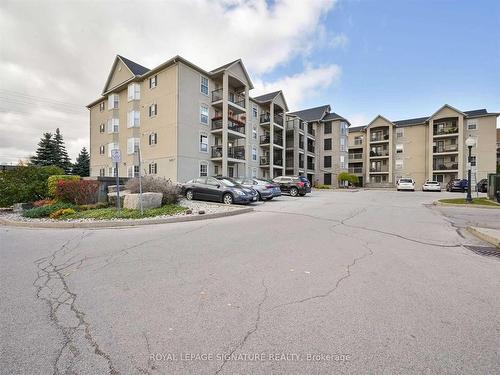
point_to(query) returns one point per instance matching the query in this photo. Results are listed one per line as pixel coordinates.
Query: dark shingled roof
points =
(411, 121)
(134, 67)
(224, 66)
(476, 112)
(356, 128)
(333, 116)
(266, 97)
(312, 114)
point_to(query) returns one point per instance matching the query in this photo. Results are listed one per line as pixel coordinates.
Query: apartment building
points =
(317, 144)
(184, 122)
(430, 147)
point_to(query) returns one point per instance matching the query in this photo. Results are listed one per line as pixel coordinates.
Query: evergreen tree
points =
(46, 154)
(82, 165)
(63, 159)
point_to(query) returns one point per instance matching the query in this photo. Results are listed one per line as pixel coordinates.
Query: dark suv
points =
(457, 184)
(293, 185)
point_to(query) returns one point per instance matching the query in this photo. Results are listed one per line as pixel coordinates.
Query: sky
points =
(398, 58)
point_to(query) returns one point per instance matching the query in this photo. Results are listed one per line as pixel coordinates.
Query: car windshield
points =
(432, 183)
(228, 182)
(407, 180)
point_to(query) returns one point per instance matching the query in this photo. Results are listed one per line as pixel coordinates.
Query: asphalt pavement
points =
(367, 282)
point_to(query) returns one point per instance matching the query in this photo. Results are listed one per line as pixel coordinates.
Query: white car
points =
(431, 186)
(405, 184)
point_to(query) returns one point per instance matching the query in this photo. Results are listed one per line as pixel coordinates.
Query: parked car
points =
(405, 184)
(266, 190)
(482, 186)
(457, 184)
(293, 185)
(431, 186)
(218, 189)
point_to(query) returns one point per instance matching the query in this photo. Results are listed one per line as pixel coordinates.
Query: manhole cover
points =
(485, 250)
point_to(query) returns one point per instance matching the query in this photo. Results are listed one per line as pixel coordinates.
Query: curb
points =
(436, 203)
(122, 223)
(484, 236)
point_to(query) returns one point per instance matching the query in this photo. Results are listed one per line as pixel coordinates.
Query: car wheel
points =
(270, 198)
(227, 198)
(259, 196)
(302, 194)
(189, 195)
(294, 191)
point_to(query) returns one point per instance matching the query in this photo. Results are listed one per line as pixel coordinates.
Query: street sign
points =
(116, 155)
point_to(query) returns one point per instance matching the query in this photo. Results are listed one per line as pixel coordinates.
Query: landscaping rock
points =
(201, 212)
(112, 198)
(20, 207)
(149, 200)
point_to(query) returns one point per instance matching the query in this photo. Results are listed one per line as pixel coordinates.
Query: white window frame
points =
(153, 139)
(399, 146)
(343, 144)
(255, 133)
(471, 122)
(400, 133)
(203, 108)
(102, 128)
(255, 112)
(113, 101)
(254, 172)
(153, 81)
(113, 125)
(132, 145)
(203, 135)
(153, 168)
(255, 155)
(112, 146)
(202, 85)
(102, 172)
(342, 162)
(112, 171)
(204, 173)
(399, 164)
(133, 92)
(133, 119)
(102, 106)
(153, 110)
(102, 150)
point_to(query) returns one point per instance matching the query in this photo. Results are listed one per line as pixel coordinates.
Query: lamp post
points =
(469, 142)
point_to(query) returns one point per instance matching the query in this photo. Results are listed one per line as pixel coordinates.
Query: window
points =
(254, 132)
(343, 144)
(344, 128)
(399, 164)
(204, 114)
(327, 144)
(133, 171)
(133, 119)
(472, 161)
(328, 128)
(132, 145)
(153, 110)
(203, 143)
(358, 140)
(112, 172)
(134, 92)
(153, 81)
(254, 112)
(342, 162)
(102, 106)
(204, 85)
(203, 169)
(113, 101)
(400, 133)
(102, 172)
(399, 148)
(153, 168)
(254, 153)
(102, 150)
(327, 161)
(102, 128)
(216, 170)
(471, 125)
(153, 139)
(113, 125)
(111, 146)
(327, 179)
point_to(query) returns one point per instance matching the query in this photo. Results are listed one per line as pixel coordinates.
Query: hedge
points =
(53, 180)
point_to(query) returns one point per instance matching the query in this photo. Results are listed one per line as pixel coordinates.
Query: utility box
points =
(493, 185)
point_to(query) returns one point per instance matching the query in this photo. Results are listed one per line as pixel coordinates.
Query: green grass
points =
(475, 202)
(112, 213)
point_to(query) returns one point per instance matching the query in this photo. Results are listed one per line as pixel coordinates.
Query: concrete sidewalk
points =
(486, 234)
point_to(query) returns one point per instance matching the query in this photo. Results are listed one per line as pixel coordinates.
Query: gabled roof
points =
(267, 97)
(225, 66)
(135, 68)
(312, 114)
(445, 106)
(379, 116)
(356, 128)
(228, 65)
(476, 112)
(411, 121)
(333, 116)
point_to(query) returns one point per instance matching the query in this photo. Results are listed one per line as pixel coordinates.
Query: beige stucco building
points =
(431, 147)
(187, 122)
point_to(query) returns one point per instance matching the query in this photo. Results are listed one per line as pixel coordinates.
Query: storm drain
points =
(485, 250)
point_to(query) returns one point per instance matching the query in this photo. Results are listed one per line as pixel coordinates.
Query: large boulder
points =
(20, 207)
(149, 200)
(112, 198)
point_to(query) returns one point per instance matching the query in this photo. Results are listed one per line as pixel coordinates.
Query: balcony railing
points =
(264, 160)
(358, 142)
(437, 149)
(289, 163)
(235, 152)
(379, 170)
(445, 166)
(310, 148)
(278, 140)
(356, 170)
(377, 137)
(301, 145)
(265, 117)
(265, 139)
(356, 156)
(278, 162)
(311, 131)
(379, 153)
(233, 97)
(232, 124)
(446, 130)
(278, 119)
(310, 166)
(301, 163)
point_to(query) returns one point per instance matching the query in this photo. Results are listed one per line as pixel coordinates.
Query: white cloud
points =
(305, 85)
(339, 40)
(63, 50)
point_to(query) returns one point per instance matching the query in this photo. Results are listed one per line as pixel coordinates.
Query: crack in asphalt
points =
(150, 365)
(249, 332)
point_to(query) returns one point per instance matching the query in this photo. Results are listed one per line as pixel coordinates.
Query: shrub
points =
(151, 184)
(54, 180)
(45, 211)
(351, 178)
(62, 212)
(25, 184)
(77, 191)
(323, 187)
(96, 206)
(44, 202)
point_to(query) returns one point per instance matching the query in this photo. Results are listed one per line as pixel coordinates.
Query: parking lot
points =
(334, 282)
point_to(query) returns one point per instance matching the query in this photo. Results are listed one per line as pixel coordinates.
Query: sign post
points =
(116, 157)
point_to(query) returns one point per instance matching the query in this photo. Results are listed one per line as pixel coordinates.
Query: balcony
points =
(264, 160)
(310, 148)
(278, 162)
(445, 166)
(235, 152)
(232, 124)
(278, 140)
(311, 166)
(449, 130)
(265, 117)
(379, 137)
(265, 139)
(356, 170)
(356, 156)
(278, 119)
(289, 163)
(379, 153)
(233, 98)
(358, 142)
(301, 164)
(439, 149)
(379, 170)
(301, 145)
